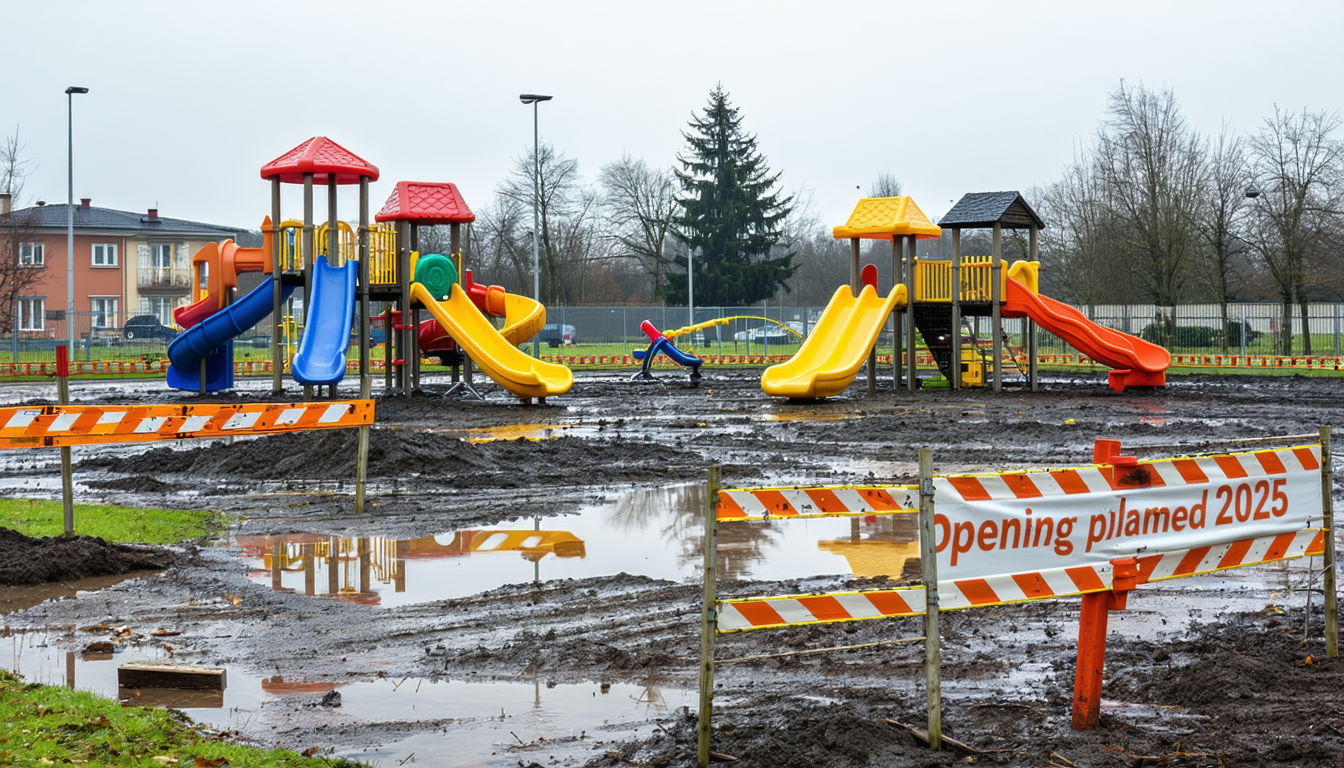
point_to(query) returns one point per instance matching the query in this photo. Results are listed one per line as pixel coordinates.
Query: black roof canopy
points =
(985, 209)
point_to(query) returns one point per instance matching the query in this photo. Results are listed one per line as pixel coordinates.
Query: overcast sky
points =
(189, 100)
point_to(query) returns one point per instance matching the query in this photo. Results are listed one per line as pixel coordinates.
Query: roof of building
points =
(319, 156)
(54, 215)
(882, 218)
(426, 202)
(985, 209)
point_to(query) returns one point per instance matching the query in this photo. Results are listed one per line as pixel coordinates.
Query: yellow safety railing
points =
(383, 255)
(345, 245)
(933, 279)
(382, 248)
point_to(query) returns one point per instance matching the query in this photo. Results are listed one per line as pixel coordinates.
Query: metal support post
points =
(709, 619)
(414, 360)
(1091, 659)
(1033, 375)
(277, 271)
(404, 348)
(307, 260)
(365, 383)
(911, 271)
(1328, 523)
(928, 561)
(996, 311)
(67, 470)
(955, 367)
(896, 321)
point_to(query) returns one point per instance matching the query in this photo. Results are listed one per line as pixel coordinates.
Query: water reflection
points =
(358, 570)
(658, 533)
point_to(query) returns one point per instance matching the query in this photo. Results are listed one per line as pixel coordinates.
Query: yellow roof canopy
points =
(882, 218)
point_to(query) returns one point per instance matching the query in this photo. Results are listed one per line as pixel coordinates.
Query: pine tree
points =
(729, 210)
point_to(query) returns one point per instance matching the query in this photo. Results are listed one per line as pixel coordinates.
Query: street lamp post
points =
(70, 216)
(534, 99)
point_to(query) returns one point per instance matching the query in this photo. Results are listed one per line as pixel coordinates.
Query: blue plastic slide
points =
(326, 333)
(211, 341)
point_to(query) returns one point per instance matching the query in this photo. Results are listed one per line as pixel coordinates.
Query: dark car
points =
(146, 327)
(556, 334)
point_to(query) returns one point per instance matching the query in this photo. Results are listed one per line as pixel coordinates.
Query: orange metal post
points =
(1092, 642)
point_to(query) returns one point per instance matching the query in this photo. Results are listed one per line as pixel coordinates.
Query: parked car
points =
(146, 327)
(773, 333)
(555, 334)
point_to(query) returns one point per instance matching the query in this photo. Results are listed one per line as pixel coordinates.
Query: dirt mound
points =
(330, 455)
(35, 561)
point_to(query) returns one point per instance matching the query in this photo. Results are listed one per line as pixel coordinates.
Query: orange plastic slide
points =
(1133, 361)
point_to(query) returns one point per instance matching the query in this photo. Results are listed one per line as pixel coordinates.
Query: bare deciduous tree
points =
(1152, 165)
(640, 203)
(885, 185)
(13, 170)
(1222, 225)
(16, 279)
(1299, 165)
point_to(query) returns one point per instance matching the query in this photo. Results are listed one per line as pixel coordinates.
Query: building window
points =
(104, 254)
(158, 306)
(161, 255)
(104, 311)
(30, 254)
(32, 313)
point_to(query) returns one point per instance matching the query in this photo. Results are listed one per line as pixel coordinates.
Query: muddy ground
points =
(1202, 672)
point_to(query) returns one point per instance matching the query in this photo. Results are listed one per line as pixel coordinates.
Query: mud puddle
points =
(458, 723)
(654, 533)
(17, 598)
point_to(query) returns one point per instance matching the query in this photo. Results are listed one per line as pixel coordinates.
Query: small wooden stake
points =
(928, 561)
(708, 616)
(1328, 523)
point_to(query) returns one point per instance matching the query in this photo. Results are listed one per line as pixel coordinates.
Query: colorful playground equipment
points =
(935, 296)
(341, 269)
(661, 342)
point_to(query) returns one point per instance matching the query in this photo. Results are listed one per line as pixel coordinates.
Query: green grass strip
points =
(132, 525)
(44, 725)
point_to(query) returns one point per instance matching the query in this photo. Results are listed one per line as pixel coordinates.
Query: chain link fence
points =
(1251, 329)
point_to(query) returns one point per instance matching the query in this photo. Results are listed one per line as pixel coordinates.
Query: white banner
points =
(991, 525)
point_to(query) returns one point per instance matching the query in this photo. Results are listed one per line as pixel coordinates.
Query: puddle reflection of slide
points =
(352, 569)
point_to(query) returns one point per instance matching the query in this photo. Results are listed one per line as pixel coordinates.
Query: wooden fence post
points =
(1328, 520)
(708, 616)
(928, 561)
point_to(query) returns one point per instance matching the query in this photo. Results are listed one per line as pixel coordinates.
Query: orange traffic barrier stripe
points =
(61, 425)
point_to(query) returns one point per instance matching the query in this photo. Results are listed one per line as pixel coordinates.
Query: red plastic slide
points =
(1134, 362)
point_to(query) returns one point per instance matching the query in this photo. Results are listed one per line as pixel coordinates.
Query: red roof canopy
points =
(426, 202)
(319, 156)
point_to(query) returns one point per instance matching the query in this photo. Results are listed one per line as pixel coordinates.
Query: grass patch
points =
(131, 525)
(44, 725)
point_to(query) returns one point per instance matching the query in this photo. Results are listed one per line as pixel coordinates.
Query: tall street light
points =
(70, 217)
(534, 99)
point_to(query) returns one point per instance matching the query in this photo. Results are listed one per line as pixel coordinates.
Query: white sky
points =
(189, 100)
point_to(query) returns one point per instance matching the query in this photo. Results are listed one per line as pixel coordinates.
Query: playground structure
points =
(341, 271)
(933, 298)
(661, 343)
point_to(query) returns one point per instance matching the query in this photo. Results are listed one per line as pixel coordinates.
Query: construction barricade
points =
(1097, 532)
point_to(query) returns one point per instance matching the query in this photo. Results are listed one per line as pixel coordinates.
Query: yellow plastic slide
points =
(503, 362)
(523, 318)
(831, 356)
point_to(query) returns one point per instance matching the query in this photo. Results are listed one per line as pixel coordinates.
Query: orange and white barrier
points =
(61, 425)
(1015, 536)
(789, 610)
(838, 501)
(1020, 522)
